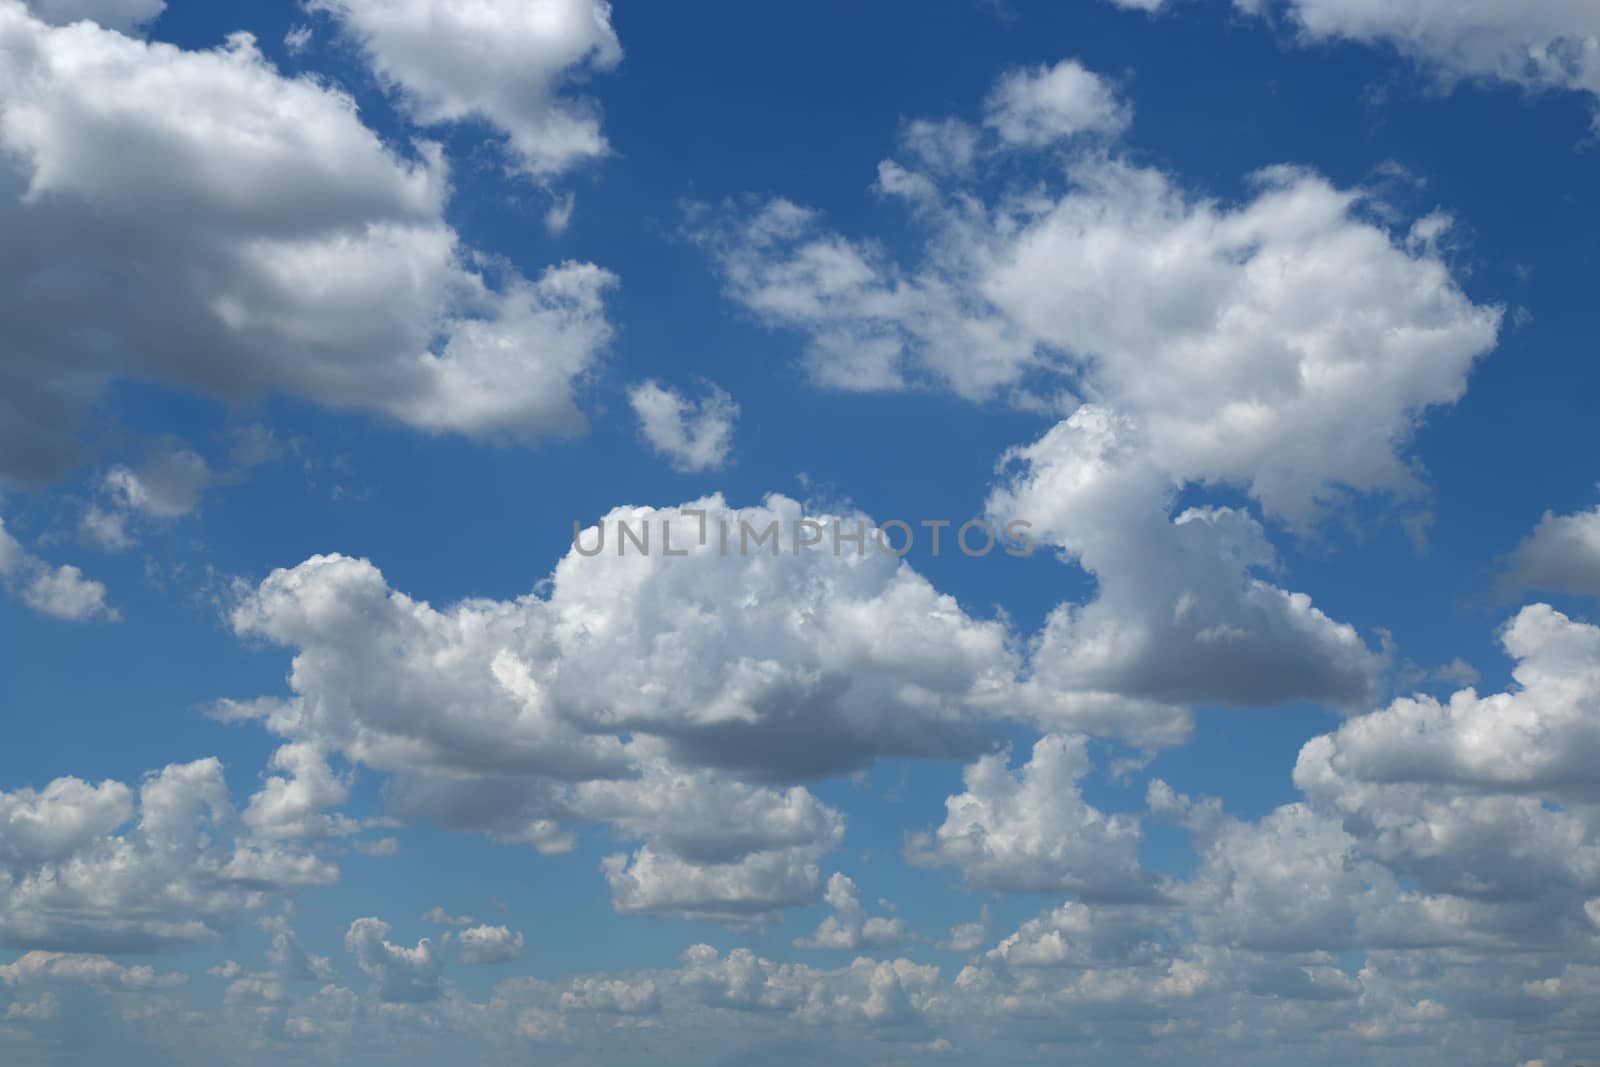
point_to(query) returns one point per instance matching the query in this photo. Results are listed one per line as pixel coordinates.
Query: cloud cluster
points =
(109, 868)
(1437, 882)
(1033, 832)
(1288, 344)
(657, 694)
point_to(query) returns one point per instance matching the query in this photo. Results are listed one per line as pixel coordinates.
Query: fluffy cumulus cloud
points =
(850, 928)
(1469, 825)
(1431, 893)
(293, 803)
(1546, 45)
(400, 975)
(755, 658)
(501, 62)
(1184, 613)
(1561, 555)
(1288, 344)
(1553, 44)
(1484, 806)
(694, 435)
(656, 693)
(1044, 105)
(1033, 832)
(489, 944)
(744, 891)
(167, 485)
(870, 991)
(107, 867)
(1541, 737)
(60, 592)
(280, 247)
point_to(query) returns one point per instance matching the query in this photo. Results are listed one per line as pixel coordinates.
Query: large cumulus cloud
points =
(198, 219)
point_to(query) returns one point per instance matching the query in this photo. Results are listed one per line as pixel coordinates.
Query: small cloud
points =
(559, 214)
(107, 529)
(167, 486)
(489, 944)
(439, 917)
(59, 592)
(692, 435)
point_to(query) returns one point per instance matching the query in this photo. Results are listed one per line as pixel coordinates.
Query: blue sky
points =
(325, 322)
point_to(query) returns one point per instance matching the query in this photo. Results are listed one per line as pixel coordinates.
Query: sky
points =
(954, 532)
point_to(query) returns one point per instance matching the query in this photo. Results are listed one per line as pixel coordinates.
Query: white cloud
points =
(1542, 737)
(287, 249)
(703, 651)
(65, 816)
(875, 993)
(704, 816)
(693, 435)
(1549, 44)
(1042, 105)
(90, 867)
(613, 996)
(400, 975)
(293, 963)
(1182, 615)
(1231, 336)
(1286, 883)
(1033, 832)
(1561, 555)
(106, 528)
(88, 968)
(291, 805)
(488, 944)
(60, 592)
(850, 928)
(502, 62)
(439, 917)
(968, 937)
(944, 146)
(870, 327)
(168, 485)
(1287, 344)
(748, 890)
(1462, 826)
(507, 717)
(64, 593)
